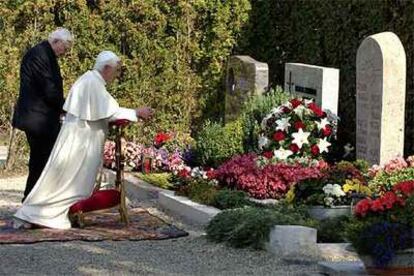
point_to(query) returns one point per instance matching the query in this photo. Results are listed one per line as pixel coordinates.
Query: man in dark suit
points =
(40, 101)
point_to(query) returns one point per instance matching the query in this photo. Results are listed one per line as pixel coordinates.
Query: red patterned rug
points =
(99, 226)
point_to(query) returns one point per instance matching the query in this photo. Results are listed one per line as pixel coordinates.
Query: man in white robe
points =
(70, 173)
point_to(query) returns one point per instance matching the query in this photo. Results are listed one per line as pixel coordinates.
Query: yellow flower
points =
(290, 195)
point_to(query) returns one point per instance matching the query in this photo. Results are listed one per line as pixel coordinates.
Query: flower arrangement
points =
(385, 224)
(339, 185)
(297, 128)
(138, 157)
(394, 171)
(270, 180)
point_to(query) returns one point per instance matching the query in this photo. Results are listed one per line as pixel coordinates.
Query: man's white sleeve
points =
(124, 113)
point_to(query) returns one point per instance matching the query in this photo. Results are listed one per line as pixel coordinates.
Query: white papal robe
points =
(70, 173)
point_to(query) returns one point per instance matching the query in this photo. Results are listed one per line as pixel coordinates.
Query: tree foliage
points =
(174, 51)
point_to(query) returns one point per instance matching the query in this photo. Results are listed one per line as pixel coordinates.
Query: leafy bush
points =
(230, 199)
(385, 181)
(174, 52)
(253, 113)
(157, 179)
(201, 191)
(215, 143)
(333, 230)
(250, 226)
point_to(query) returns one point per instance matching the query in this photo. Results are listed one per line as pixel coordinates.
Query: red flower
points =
(184, 173)
(299, 124)
(362, 207)
(268, 154)
(294, 148)
(295, 102)
(316, 109)
(279, 136)
(315, 150)
(327, 131)
(405, 187)
(285, 109)
(377, 205)
(161, 138)
(211, 174)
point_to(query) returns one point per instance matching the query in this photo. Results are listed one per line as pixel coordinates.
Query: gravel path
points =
(192, 255)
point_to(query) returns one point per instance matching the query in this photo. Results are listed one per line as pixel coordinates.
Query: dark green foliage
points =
(230, 199)
(215, 143)
(253, 113)
(201, 191)
(328, 33)
(332, 230)
(250, 226)
(174, 52)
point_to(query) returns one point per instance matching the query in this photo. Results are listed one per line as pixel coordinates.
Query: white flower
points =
(300, 138)
(277, 110)
(263, 142)
(299, 110)
(283, 124)
(322, 124)
(288, 104)
(264, 121)
(282, 154)
(328, 201)
(323, 145)
(333, 190)
(308, 101)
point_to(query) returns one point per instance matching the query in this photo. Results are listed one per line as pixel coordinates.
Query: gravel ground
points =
(192, 255)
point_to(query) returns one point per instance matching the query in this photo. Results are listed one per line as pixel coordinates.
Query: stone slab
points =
(190, 211)
(316, 82)
(293, 242)
(380, 101)
(337, 252)
(342, 268)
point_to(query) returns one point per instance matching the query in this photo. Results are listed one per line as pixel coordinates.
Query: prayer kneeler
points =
(99, 200)
(105, 199)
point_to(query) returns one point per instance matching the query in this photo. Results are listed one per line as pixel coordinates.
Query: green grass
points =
(157, 179)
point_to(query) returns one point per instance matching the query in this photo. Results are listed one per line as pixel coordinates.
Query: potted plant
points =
(382, 230)
(333, 194)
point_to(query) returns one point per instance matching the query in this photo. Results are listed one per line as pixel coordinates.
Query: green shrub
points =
(230, 199)
(157, 179)
(201, 191)
(250, 226)
(215, 143)
(386, 180)
(174, 52)
(253, 113)
(333, 230)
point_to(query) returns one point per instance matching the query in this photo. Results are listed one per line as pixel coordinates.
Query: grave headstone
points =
(316, 82)
(246, 77)
(380, 85)
(293, 241)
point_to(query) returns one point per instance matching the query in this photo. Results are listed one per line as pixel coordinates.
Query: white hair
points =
(60, 34)
(106, 58)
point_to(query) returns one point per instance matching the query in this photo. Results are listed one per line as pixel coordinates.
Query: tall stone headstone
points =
(316, 82)
(380, 84)
(246, 77)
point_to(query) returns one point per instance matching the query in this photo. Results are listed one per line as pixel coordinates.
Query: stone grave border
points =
(198, 214)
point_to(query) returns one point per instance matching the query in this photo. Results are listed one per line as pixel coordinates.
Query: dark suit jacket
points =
(41, 99)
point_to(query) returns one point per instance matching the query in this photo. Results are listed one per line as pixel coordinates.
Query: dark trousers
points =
(40, 149)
